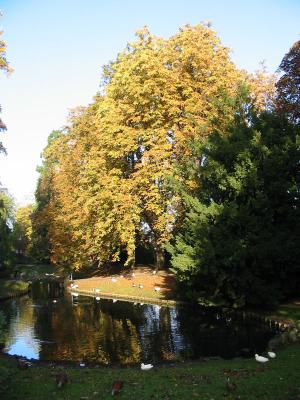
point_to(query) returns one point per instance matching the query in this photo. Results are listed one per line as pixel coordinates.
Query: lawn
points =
(288, 312)
(278, 379)
(12, 288)
(143, 284)
(34, 271)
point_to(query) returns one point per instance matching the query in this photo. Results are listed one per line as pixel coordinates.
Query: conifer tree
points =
(239, 244)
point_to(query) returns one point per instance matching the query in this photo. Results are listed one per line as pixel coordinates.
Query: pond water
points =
(51, 325)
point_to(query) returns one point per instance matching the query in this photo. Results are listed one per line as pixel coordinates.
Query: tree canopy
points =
(288, 85)
(108, 187)
(240, 241)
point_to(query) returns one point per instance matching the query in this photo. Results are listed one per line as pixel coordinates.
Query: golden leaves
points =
(112, 163)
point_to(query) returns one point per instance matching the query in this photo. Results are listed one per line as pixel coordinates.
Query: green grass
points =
(289, 312)
(278, 380)
(127, 291)
(34, 271)
(12, 287)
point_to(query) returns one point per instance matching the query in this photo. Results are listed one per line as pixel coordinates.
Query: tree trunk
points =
(160, 257)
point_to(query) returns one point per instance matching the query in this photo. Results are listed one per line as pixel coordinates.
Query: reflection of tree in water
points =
(160, 333)
(93, 331)
(123, 333)
(224, 335)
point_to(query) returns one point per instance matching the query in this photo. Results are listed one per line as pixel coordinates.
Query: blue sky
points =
(57, 48)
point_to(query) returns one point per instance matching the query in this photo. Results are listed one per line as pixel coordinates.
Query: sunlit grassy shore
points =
(11, 288)
(277, 379)
(142, 284)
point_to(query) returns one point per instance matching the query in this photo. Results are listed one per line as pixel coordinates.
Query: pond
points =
(51, 325)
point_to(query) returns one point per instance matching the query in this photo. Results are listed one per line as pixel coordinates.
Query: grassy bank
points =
(11, 288)
(141, 284)
(33, 271)
(289, 312)
(278, 379)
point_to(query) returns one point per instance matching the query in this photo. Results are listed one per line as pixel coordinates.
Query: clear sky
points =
(57, 49)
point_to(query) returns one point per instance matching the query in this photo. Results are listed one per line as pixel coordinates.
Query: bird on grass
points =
(61, 379)
(74, 286)
(141, 286)
(271, 354)
(22, 363)
(157, 289)
(114, 280)
(231, 386)
(261, 359)
(146, 367)
(116, 387)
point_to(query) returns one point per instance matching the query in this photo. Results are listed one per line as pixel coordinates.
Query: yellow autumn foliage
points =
(110, 179)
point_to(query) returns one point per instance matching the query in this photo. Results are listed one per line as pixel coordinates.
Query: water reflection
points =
(51, 325)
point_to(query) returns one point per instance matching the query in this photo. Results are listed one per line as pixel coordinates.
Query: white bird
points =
(271, 354)
(154, 272)
(157, 289)
(114, 280)
(261, 359)
(115, 300)
(54, 301)
(82, 364)
(97, 298)
(146, 367)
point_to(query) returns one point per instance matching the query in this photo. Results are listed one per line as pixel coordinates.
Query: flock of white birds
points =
(262, 359)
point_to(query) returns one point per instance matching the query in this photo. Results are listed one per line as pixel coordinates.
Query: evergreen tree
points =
(240, 241)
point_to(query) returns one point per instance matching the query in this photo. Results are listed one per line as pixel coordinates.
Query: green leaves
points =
(244, 224)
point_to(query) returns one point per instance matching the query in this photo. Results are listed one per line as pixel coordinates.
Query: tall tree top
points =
(288, 86)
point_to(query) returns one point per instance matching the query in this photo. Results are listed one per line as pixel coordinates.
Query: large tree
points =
(22, 232)
(40, 215)
(109, 186)
(288, 85)
(4, 66)
(5, 200)
(240, 242)
(6, 220)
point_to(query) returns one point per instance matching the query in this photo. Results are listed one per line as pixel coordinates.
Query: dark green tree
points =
(6, 220)
(240, 241)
